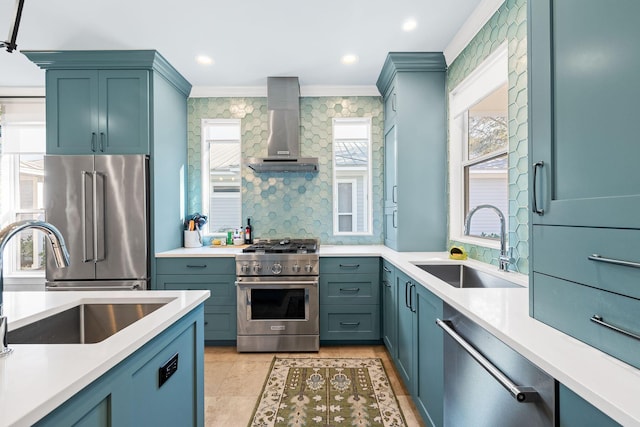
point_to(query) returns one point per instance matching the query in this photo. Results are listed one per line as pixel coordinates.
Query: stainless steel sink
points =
(82, 324)
(462, 276)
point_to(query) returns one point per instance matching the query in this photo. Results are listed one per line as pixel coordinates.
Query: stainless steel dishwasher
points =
(489, 384)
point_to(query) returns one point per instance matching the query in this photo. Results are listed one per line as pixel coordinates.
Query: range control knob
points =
(245, 268)
(257, 268)
(308, 268)
(276, 268)
(296, 268)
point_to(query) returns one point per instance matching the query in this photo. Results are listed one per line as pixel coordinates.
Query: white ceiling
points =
(247, 39)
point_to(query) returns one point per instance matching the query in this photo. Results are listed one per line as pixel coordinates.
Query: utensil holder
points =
(192, 239)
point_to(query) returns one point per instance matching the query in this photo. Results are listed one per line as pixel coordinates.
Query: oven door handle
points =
(283, 284)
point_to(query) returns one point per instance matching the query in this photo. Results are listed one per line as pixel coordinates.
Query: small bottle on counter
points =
(248, 233)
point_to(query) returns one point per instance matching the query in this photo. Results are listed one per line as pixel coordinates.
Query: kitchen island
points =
(48, 383)
(605, 382)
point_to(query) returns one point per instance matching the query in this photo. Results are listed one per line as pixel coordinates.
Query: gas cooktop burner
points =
(284, 246)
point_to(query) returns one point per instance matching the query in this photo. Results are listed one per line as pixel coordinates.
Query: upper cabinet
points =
(583, 68)
(413, 87)
(98, 111)
(104, 102)
(585, 198)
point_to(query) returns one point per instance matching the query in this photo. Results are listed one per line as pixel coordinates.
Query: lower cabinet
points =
(350, 299)
(216, 275)
(132, 392)
(419, 347)
(574, 411)
(406, 337)
(429, 374)
(389, 307)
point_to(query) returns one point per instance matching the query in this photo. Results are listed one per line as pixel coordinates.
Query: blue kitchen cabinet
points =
(131, 394)
(583, 91)
(413, 87)
(349, 299)
(583, 68)
(428, 394)
(123, 102)
(98, 111)
(406, 338)
(574, 411)
(389, 308)
(217, 275)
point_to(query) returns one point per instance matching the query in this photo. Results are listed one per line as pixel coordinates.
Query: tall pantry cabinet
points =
(123, 102)
(584, 186)
(415, 151)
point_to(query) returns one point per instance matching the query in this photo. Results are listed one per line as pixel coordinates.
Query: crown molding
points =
(261, 91)
(474, 23)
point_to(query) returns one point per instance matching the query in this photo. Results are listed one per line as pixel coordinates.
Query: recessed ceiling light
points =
(349, 59)
(204, 60)
(409, 25)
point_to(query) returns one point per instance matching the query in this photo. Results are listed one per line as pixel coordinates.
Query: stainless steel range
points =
(278, 301)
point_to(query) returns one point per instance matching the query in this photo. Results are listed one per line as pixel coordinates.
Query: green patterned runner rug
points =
(327, 393)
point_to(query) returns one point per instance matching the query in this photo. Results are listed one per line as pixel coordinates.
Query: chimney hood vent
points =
(283, 144)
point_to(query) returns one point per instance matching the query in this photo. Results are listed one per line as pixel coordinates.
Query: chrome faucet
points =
(60, 256)
(505, 256)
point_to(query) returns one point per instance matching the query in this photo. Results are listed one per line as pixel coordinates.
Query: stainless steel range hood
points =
(283, 144)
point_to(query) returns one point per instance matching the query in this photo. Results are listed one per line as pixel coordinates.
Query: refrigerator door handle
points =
(98, 217)
(85, 256)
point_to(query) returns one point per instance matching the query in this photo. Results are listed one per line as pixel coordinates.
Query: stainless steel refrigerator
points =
(101, 205)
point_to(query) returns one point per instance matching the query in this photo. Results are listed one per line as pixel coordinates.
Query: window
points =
(479, 142)
(221, 177)
(22, 147)
(352, 176)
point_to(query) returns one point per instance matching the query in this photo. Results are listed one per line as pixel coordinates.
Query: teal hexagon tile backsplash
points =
(507, 24)
(290, 204)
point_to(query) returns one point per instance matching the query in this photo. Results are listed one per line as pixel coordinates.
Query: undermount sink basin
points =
(462, 276)
(82, 324)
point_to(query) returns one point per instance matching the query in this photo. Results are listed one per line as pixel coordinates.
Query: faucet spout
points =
(60, 255)
(505, 256)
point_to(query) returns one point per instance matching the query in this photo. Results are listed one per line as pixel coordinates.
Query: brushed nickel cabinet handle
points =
(349, 265)
(600, 258)
(600, 321)
(534, 200)
(349, 289)
(349, 323)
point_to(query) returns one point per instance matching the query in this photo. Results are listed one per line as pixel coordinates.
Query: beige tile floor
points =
(233, 381)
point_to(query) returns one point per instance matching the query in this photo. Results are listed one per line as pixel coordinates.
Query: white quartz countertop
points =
(37, 378)
(607, 383)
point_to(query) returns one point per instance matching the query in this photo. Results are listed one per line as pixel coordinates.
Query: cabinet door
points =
(390, 172)
(389, 308)
(583, 125)
(124, 112)
(429, 376)
(72, 111)
(405, 359)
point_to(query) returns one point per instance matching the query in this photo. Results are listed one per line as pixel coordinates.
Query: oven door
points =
(277, 307)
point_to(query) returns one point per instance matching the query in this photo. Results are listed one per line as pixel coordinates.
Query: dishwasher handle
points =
(522, 394)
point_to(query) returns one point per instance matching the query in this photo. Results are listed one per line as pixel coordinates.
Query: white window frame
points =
(14, 279)
(205, 164)
(492, 73)
(368, 188)
(354, 203)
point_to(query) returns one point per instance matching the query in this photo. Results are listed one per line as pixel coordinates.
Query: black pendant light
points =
(10, 44)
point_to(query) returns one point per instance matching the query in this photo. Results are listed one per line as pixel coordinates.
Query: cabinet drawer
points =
(350, 265)
(349, 289)
(222, 287)
(196, 265)
(341, 322)
(220, 323)
(578, 243)
(569, 307)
